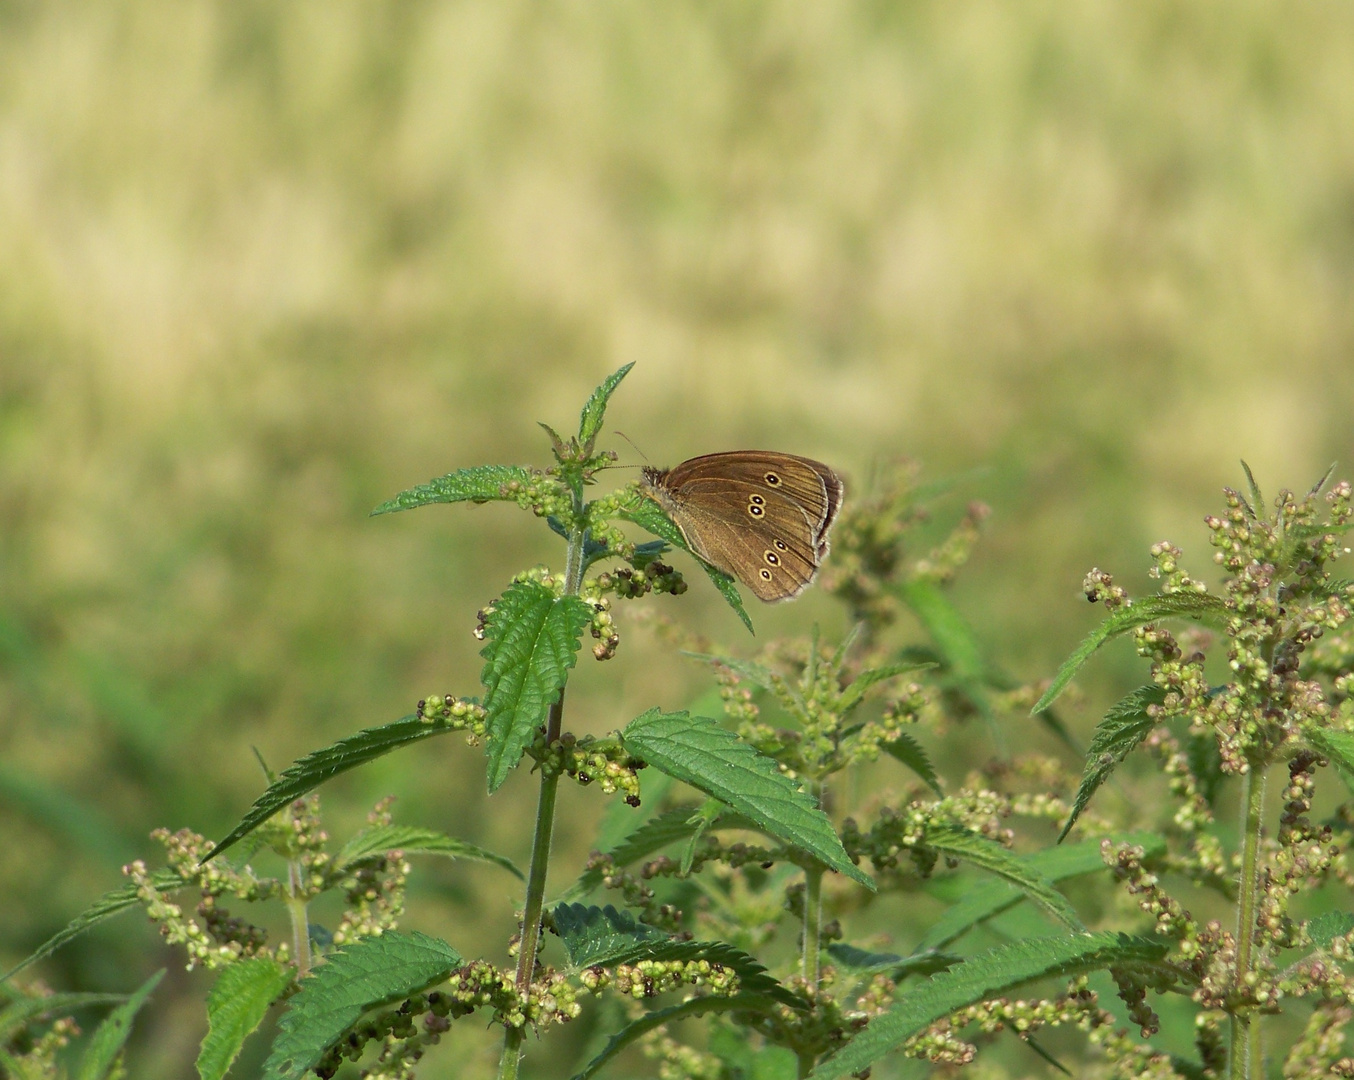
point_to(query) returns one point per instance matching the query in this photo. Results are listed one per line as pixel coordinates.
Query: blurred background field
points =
(264, 265)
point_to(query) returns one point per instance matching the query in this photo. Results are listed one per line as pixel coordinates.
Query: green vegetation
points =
(265, 265)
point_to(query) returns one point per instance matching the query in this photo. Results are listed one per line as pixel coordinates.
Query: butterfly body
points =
(759, 515)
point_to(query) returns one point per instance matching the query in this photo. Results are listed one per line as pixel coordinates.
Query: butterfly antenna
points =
(631, 441)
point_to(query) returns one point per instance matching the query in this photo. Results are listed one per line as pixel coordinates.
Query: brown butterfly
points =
(759, 515)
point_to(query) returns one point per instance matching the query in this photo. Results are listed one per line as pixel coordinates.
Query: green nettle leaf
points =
(757, 674)
(1205, 762)
(697, 751)
(594, 935)
(979, 850)
(669, 827)
(862, 963)
(533, 640)
(952, 635)
(24, 1010)
(646, 514)
(372, 972)
(479, 484)
(982, 977)
(748, 1061)
(1327, 926)
(1054, 864)
(236, 1006)
(1336, 745)
(1196, 606)
(907, 750)
(854, 694)
(590, 422)
(859, 960)
(109, 904)
(749, 1004)
(1124, 726)
(606, 937)
(110, 1036)
(415, 840)
(315, 768)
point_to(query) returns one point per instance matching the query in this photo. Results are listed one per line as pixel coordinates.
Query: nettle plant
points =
(741, 891)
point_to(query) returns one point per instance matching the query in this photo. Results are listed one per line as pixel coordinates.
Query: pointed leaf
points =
(1205, 762)
(108, 905)
(980, 978)
(1327, 926)
(315, 768)
(745, 1060)
(697, 751)
(533, 642)
(757, 674)
(236, 1005)
(110, 1036)
(655, 834)
(414, 840)
(952, 635)
(649, 517)
(989, 898)
(596, 935)
(991, 856)
(481, 483)
(1196, 606)
(854, 694)
(23, 1010)
(590, 422)
(1338, 746)
(907, 750)
(606, 937)
(755, 1004)
(371, 972)
(1257, 504)
(861, 961)
(1124, 726)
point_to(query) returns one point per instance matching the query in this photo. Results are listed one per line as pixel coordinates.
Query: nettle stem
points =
(1246, 1059)
(300, 920)
(545, 825)
(813, 912)
(813, 923)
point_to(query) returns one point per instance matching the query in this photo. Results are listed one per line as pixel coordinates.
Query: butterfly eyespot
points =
(755, 510)
(772, 479)
(766, 575)
(772, 558)
(758, 500)
(781, 545)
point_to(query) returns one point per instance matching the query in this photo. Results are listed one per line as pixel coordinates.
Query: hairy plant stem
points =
(813, 911)
(813, 923)
(300, 920)
(545, 824)
(1246, 1058)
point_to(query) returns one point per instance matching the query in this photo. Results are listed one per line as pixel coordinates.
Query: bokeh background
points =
(263, 265)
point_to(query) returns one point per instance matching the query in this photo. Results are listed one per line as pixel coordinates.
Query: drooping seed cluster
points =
(649, 978)
(897, 833)
(626, 583)
(221, 939)
(590, 759)
(455, 713)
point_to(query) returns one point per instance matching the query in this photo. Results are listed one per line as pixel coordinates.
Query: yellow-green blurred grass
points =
(264, 265)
